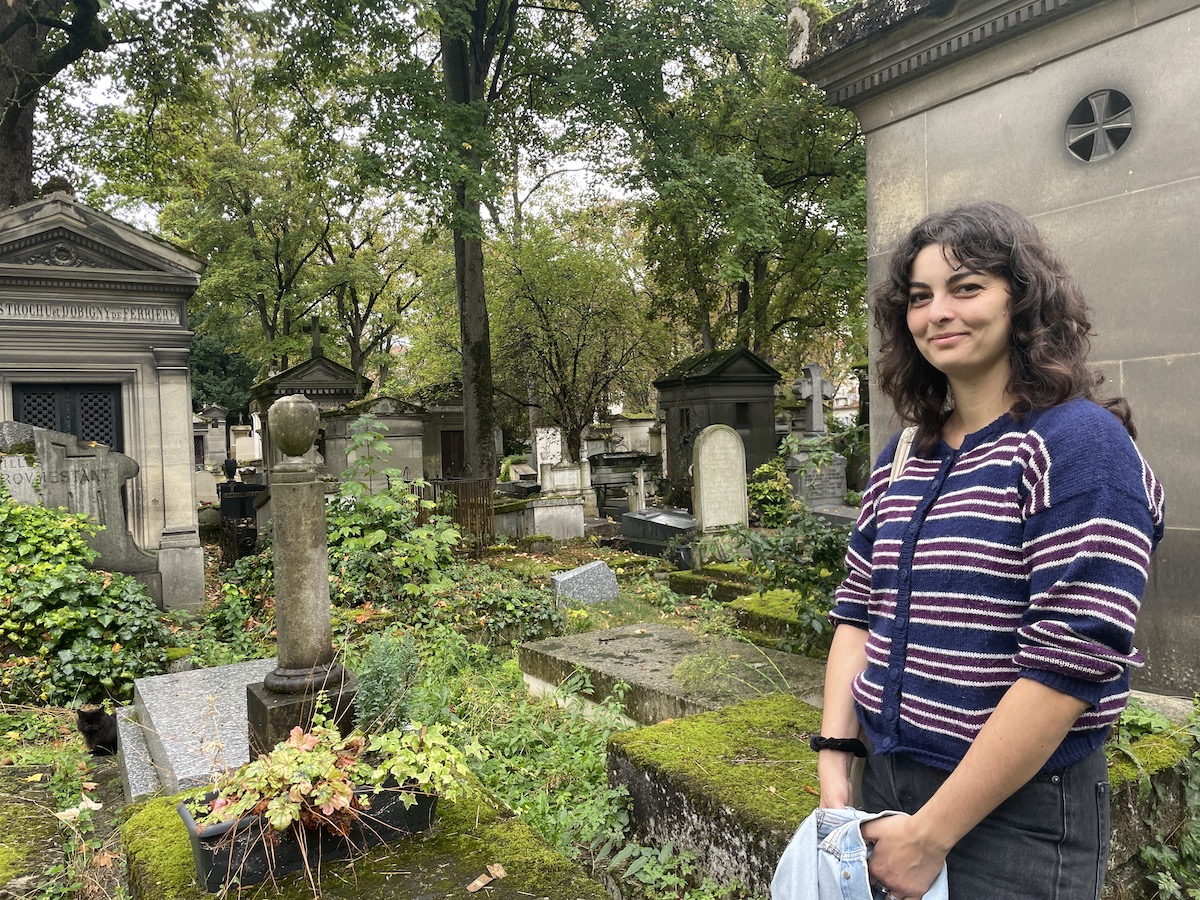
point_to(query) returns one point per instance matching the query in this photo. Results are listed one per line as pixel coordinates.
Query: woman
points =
(984, 632)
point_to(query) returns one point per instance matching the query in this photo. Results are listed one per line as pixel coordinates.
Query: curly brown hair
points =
(1050, 325)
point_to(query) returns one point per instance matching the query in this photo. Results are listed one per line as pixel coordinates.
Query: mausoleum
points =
(94, 343)
(1077, 113)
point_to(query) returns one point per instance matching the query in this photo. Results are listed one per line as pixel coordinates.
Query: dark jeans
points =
(1048, 841)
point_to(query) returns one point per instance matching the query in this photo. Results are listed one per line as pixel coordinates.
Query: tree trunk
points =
(465, 79)
(29, 62)
(16, 156)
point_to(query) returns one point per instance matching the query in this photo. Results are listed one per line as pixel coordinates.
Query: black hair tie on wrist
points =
(843, 745)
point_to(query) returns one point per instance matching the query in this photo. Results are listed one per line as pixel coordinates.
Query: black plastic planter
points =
(249, 851)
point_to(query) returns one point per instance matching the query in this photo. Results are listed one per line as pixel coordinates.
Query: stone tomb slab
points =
(193, 723)
(594, 582)
(647, 658)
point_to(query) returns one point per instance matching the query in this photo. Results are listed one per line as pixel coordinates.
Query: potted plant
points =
(318, 796)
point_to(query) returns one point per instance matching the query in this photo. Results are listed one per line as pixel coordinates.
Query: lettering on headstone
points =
(53, 469)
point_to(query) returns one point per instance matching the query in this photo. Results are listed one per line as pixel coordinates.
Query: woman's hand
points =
(904, 861)
(833, 770)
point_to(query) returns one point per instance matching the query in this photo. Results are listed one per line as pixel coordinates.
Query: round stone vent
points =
(1099, 125)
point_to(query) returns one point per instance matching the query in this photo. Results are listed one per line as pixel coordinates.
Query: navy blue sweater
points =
(1023, 554)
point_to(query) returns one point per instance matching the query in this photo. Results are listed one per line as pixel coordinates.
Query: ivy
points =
(69, 634)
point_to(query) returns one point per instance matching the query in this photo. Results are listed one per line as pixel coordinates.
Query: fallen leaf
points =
(90, 785)
(36, 776)
(479, 883)
(87, 802)
(497, 871)
(771, 789)
(68, 815)
(812, 790)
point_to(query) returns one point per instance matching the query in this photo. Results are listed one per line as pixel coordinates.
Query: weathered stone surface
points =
(29, 843)
(591, 583)
(194, 724)
(648, 659)
(729, 786)
(49, 468)
(719, 470)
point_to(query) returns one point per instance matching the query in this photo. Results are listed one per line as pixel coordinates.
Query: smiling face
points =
(960, 320)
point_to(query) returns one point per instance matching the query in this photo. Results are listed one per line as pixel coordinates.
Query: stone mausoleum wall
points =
(94, 342)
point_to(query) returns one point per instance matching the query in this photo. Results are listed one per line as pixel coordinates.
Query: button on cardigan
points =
(1022, 554)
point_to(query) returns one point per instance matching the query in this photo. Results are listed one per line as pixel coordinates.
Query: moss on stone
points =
(728, 571)
(29, 840)
(682, 582)
(509, 506)
(752, 757)
(1154, 753)
(467, 837)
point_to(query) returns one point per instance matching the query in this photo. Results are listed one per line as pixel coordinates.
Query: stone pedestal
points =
(287, 696)
(270, 717)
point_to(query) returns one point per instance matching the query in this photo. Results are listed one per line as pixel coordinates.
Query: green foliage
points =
(1172, 857)
(241, 621)
(310, 779)
(387, 543)
(69, 634)
(386, 674)
(806, 555)
(772, 500)
(473, 598)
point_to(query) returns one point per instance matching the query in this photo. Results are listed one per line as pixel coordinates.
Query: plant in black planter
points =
(317, 796)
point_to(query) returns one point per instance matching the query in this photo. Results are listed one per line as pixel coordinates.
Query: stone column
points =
(301, 560)
(180, 556)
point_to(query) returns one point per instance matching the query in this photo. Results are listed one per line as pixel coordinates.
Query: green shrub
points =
(770, 495)
(69, 634)
(475, 597)
(386, 675)
(808, 556)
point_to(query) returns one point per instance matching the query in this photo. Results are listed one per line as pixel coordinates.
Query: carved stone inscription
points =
(48, 310)
(55, 469)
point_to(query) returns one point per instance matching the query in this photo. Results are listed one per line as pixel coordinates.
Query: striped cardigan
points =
(1023, 554)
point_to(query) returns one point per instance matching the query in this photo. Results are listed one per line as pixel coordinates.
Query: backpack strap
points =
(903, 449)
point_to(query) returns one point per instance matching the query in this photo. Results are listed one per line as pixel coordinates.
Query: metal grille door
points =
(90, 412)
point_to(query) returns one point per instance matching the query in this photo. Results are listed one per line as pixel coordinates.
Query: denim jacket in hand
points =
(827, 860)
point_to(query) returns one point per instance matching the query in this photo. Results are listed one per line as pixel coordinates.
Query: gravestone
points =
(822, 489)
(719, 473)
(591, 583)
(49, 468)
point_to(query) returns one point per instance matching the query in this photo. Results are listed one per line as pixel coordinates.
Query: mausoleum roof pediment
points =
(323, 381)
(59, 235)
(737, 363)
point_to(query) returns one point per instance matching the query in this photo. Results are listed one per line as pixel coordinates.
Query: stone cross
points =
(301, 563)
(814, 390)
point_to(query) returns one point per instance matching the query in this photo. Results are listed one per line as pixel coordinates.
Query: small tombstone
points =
(50, 468)
(719, 474)
(206, 486)
(591, 583)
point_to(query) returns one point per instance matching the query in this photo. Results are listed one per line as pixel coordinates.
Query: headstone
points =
(50, 468)
(302, 614)
(547, 447)
(719, 473)
(591, 583)
(206, 486)
(813, 389)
